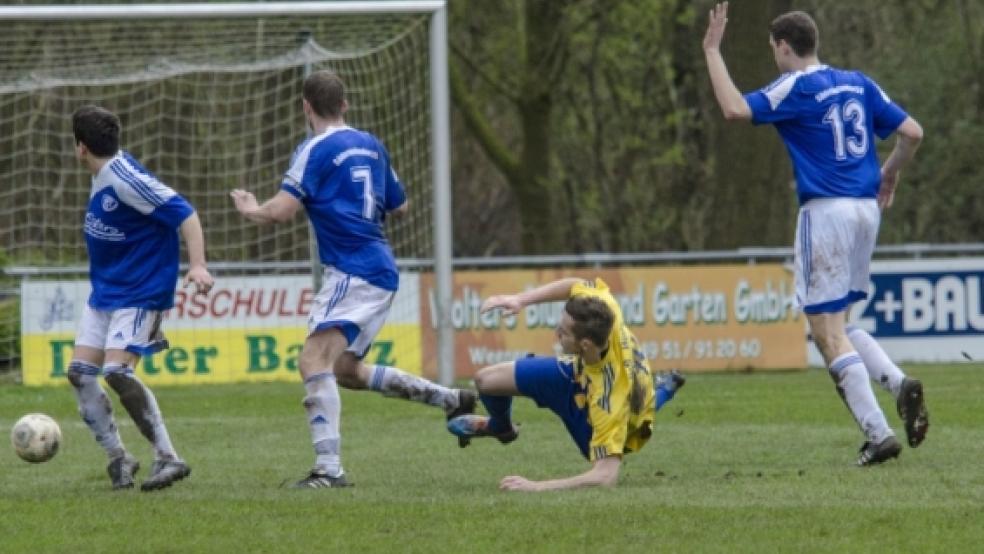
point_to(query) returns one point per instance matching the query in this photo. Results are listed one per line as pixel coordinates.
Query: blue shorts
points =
(550, 383)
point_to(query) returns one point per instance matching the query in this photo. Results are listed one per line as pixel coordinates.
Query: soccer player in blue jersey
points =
(131, 231)
(829, 119)
(342, 177)
(602, 388)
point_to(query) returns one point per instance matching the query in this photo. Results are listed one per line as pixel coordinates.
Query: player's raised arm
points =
(910, 137)
(551, 292)
(282, 207)
(191, 232)
(733, 104)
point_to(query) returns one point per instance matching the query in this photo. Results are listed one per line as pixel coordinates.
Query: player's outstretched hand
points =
(200, 276)
(517, 483)
(244, 200)
(886, 193)
(715, 27)
(509, 303)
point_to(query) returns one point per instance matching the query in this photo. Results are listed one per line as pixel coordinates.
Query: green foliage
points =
(640, 157)
(738, 463)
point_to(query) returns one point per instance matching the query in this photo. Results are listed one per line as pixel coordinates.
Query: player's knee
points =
(79, 372)
(120, 380)
(486, 377)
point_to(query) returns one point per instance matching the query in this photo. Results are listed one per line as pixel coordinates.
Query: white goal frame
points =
(439, 96)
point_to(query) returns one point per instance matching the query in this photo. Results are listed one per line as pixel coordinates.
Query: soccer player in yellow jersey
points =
(602, 388)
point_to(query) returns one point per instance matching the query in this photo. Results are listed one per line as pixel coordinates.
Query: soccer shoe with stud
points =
(321, 480)
(165, 473)
(677, 380)
(466, 406)
(471, 426)
(871, 454)
(121, 471)
(912, 410)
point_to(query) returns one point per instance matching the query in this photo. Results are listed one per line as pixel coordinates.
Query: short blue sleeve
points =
(173, 212)
(395, 195)
(886, 115)
(775, 102)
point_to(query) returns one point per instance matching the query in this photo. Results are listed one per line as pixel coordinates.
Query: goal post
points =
(209, 97)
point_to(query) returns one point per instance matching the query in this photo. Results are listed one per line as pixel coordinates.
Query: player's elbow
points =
(911, 132)
(736, 113)
(606, 471)
(608, 480)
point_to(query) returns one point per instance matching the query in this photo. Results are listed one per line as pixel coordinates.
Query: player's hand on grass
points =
(886, 193)
(517, 483)
(244, 200)
(715, 26)
(200, 276)
(509, 303)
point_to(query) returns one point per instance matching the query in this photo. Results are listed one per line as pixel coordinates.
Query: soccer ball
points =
(36, 438)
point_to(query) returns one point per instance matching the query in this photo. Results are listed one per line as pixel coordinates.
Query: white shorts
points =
(352, 305)
(135, 330)
(835, 238)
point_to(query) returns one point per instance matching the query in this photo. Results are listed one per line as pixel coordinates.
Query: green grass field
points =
(739, 463)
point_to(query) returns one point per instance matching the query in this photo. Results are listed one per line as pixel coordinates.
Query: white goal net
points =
(207, 105)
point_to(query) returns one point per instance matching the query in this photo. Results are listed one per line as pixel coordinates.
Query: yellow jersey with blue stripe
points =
(619, 391)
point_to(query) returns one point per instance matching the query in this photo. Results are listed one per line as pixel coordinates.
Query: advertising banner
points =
(246, 329)
(924, 310)
(722, 317)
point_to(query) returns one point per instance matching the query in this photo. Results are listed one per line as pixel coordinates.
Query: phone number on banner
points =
(702, 349)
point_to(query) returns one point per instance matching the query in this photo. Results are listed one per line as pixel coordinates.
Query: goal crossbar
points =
(221, 10)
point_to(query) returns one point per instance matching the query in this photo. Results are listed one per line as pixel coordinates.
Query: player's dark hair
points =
(325, 91)
(798, 30)
(593, 319)
(98, 129)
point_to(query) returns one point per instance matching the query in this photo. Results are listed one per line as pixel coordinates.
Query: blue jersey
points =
(828, 119)
(344, 179)
(131, 235)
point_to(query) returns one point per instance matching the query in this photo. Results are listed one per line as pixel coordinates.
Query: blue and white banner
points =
(924, 310)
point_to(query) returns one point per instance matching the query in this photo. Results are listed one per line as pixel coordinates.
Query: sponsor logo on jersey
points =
(109, 203)
(95, 228)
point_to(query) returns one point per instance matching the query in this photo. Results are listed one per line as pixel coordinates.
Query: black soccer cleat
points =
(318, 479)
(912, 410)
(871, 454)
(121, 471)
(466, 405)
(165, 473)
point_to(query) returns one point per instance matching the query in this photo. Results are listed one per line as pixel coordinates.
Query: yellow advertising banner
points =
(219, 355)
(248, 329)
(722, 317)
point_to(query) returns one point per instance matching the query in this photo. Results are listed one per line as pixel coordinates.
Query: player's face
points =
(565, 334)
(781, 52)
(775, 52)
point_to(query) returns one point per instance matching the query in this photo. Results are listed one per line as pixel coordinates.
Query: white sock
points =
(851, 377)
(95, 407)
(880, 367)
(142, 406)
(396, 383)
(324, 409)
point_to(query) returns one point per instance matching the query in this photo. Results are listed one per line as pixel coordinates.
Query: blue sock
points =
(500, 412)
(663, 395)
